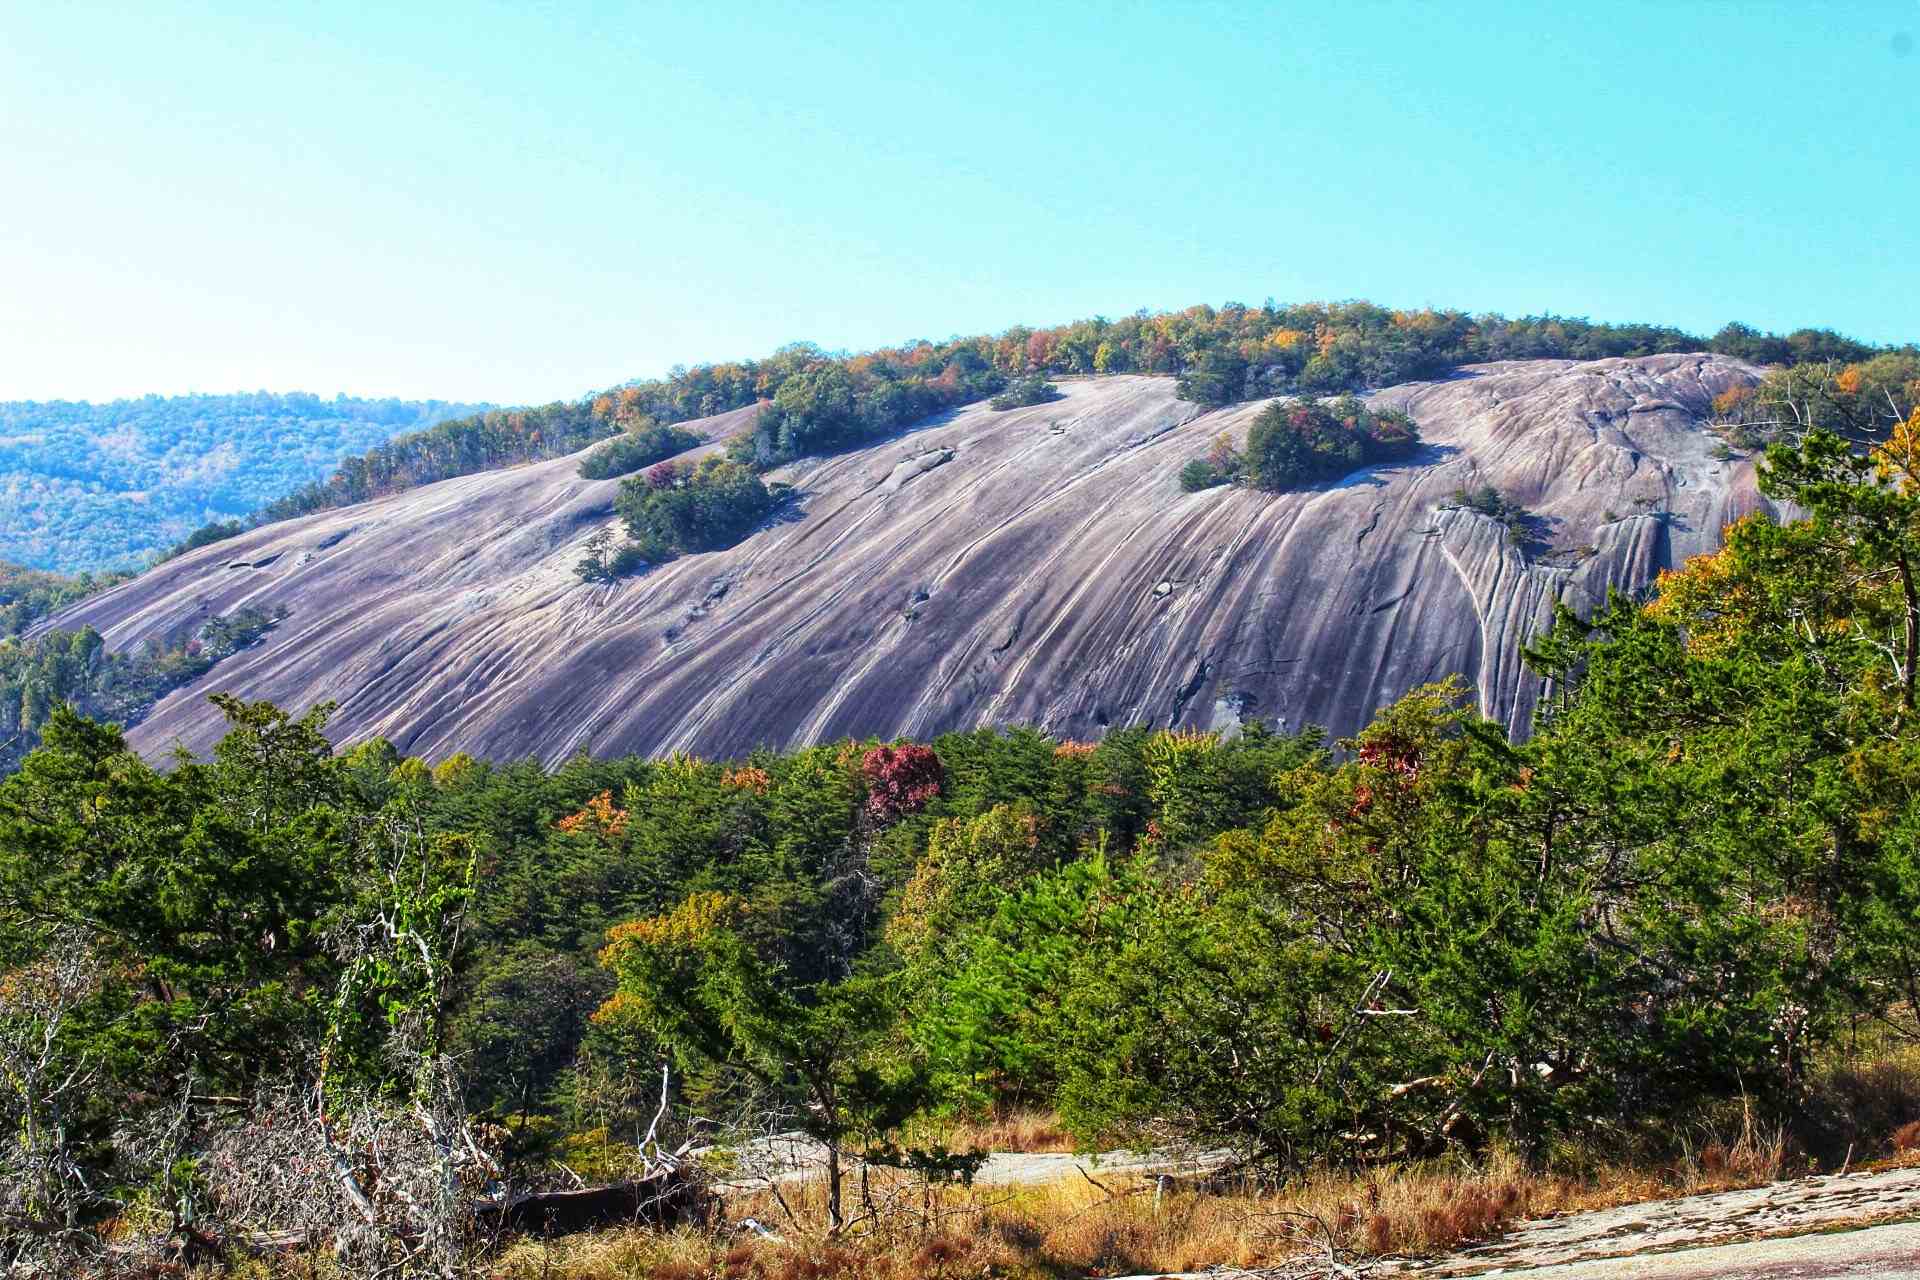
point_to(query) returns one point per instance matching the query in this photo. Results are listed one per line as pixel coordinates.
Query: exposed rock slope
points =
(1035, 566)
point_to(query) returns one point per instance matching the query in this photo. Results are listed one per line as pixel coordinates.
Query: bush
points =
(674, 509)
(227, 634)
(1199, 474)
(1223, 464)
(629, 558)
(206, 535)
(1298, 443)
(626, 454)
(1218, 377)
(1490, 502)
(1030, 390)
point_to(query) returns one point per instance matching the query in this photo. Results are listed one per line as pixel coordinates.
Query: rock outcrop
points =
(1040, 565)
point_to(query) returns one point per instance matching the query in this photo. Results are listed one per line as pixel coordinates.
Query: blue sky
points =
(524, 202)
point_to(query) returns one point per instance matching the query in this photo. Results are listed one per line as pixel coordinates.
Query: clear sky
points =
(528, 201)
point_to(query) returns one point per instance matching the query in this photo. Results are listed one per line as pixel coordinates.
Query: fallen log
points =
(663, 1200)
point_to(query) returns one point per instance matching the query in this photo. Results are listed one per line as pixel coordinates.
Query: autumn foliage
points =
(900, 780)
(599, 817)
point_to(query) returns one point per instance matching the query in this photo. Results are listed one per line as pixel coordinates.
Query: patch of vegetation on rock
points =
(1031, 390)
(674, 509)
(632, 450)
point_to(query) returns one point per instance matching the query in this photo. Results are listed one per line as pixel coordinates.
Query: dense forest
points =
(293, 990)
(105, 486)
(27, 595)
(57, 668)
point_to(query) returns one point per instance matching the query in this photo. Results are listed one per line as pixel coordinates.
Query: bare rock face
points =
(1039, 566)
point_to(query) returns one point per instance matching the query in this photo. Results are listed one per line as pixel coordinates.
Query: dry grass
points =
(1028, 1130)
(1120, 1224)
(1859, 1109)
(1858, 1113)
(1128, 1224)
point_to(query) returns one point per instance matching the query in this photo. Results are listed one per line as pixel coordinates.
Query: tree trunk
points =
(1912, 601)
(834, 1219)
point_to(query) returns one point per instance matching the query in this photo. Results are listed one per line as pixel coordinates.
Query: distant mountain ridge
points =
(87, 486)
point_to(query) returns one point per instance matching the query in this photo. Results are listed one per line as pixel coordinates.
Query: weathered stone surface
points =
(1792, 1207)
(1039, 566)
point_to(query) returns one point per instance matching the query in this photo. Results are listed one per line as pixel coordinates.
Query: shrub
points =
(628, 453)
(1033, 389)
(1199, 474)
(1300, 442)
(673, 509)
(1222, 465)
(1218, 377)
(206, 535)
(628, 558)
(1490, 502)
(229, 633)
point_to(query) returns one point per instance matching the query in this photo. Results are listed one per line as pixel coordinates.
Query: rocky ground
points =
(1798, 1207)
(1864, 1224)
(1887, 1252)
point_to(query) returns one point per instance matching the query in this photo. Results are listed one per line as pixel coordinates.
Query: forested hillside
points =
(27, 595)
(89, 486)
(94, 486)
(823, 402)
(335, 996)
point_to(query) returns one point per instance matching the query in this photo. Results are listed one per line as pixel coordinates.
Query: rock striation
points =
(1039, 566)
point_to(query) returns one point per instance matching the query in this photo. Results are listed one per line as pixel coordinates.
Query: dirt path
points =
(789, 1157)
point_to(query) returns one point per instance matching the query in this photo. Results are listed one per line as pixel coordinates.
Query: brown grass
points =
(1028, 1130)
(1113, 1224)
(1119, 1224)
(1858, 1109)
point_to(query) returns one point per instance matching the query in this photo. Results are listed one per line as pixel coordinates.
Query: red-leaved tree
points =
(901, 779)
